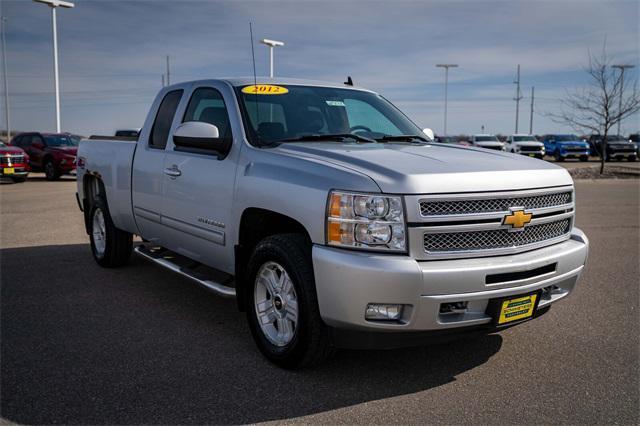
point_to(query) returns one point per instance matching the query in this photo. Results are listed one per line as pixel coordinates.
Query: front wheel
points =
(584, 158)
(282, 310)
(50, 170)
(110, 246)
(559, 157)
(631, 158)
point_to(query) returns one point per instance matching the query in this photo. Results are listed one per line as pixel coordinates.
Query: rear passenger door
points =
(148, 176)
(198, 193)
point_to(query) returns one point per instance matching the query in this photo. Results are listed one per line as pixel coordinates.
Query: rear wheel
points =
(282, 309)
(50, 170)
(110, 246)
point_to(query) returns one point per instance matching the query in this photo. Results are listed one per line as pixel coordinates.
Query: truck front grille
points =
(471, 206)
(528, 148)
(460, 225)
(11, 159)
(494, 239)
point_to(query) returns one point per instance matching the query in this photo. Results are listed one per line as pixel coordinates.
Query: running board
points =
(158, 258)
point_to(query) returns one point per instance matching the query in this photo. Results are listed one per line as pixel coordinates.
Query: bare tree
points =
(602, 104)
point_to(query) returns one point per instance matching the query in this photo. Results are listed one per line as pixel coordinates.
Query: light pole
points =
(446, 83)
(3, 22)
(621, 68)
(54, 4)
(271, 44)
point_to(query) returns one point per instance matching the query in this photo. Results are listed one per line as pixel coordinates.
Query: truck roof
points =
(244, 81)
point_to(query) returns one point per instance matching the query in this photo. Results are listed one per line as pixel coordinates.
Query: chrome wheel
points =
(276, 304)
(99, 231)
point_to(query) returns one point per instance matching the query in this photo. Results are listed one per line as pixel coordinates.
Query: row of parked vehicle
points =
(51, 153)
(55, 153)
(558, 146)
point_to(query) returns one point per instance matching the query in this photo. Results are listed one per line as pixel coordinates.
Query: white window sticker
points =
(335, 103)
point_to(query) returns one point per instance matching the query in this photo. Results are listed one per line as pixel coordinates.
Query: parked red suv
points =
(14, 163)
(52, 153)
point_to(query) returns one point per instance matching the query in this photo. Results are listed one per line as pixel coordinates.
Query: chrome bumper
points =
(347, 281)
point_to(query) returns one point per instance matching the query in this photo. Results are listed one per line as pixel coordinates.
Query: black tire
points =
(117, 243)
(631, 158)
(584, 158)
(50, 171)
(559, 157)
(539, 156)
(18, 179)
(310, 344)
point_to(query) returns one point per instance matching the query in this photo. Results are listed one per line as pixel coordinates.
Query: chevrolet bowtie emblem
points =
(517, 219)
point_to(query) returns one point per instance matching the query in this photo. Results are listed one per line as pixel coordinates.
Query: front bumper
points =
(573, 153)
(346, 281)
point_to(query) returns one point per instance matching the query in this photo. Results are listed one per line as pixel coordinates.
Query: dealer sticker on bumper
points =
(517, 309)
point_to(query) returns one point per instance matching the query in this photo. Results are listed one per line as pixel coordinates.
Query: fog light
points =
(383, 312)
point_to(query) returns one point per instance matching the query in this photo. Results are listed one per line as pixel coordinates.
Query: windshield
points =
(617, 139)
(566, 138)
(297, 111)
(486, 139)
(525, 139)
(59, 140)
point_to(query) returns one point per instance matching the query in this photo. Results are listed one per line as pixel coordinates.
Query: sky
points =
(112, 55)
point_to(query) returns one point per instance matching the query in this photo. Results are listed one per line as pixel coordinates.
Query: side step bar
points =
(216, 287)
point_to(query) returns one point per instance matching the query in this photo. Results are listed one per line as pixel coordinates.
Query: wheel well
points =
(91, 186)
(255, 225)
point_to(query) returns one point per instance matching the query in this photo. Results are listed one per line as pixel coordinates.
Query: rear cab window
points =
(164, 118)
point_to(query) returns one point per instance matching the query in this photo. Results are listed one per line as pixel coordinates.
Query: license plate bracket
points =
(513, 309)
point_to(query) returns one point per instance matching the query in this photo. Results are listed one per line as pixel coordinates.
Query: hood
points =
(13, 150)
(573, 143)
(70, 150)
(529, 143)
(434, 168)
(489, 143)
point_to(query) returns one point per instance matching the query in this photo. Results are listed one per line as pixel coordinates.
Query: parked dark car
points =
(52, 153)
(14, 163)
(562, 147)
(634, 138)
(617, 147)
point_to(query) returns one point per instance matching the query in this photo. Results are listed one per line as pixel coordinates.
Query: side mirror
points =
(429, 133)
(200, 137)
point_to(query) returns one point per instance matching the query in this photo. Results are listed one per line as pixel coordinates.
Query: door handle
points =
(173, 172)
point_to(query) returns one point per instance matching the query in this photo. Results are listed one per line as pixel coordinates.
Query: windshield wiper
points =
(402, 138)
(329, 137)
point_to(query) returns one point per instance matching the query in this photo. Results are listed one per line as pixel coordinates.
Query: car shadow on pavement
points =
(134, 345)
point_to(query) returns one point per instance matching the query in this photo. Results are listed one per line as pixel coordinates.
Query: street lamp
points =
(446, 83)
(54, 4)
(621, 68)
(271, 44)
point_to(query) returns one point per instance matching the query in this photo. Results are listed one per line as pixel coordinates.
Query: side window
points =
(36, 139)
(17, 141)
(164, 118)
(207, 105)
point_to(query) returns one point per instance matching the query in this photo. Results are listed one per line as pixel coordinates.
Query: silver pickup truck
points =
(332, 218)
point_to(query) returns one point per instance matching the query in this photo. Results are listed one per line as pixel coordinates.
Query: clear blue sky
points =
(112, 54)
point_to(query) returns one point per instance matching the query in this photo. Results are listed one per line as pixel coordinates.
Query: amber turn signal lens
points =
(334, 232)
(334, 207)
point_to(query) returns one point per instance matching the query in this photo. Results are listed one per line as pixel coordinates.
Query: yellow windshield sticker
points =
(265, 89)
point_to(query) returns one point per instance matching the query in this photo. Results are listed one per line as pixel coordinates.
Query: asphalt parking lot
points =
(85, 345)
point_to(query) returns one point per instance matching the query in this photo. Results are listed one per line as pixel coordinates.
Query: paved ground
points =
(81, 344)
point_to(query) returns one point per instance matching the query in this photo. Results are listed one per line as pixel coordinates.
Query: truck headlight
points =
(368, 221)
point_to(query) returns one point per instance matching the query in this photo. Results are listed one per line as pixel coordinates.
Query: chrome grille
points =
(494, 239)
(471, 206)
(13, 159)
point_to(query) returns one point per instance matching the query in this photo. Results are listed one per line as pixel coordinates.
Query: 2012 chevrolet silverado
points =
(332, 218)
